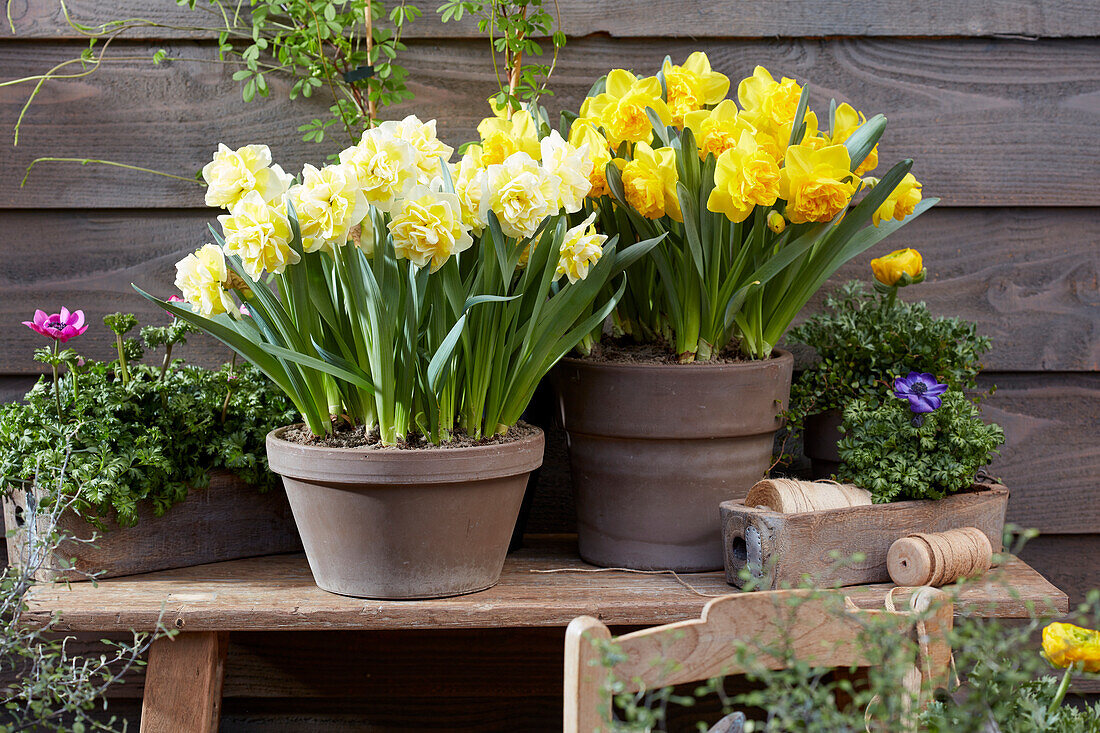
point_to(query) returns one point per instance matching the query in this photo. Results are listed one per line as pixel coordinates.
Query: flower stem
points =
(1060, 695)
(168, 360)
(229, 387)
(122, 360)
(891, 298)
(56, 382)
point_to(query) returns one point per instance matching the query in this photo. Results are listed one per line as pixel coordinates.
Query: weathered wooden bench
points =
(184, 678)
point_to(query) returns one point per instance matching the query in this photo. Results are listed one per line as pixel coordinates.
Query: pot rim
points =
(403, 466)
(778, 354)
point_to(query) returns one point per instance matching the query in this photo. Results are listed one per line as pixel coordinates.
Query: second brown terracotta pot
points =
(655, 448)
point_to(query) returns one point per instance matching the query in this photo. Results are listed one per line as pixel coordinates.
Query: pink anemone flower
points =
(59, 326)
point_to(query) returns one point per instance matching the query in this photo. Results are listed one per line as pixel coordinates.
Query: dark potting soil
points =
(612, 350)
(345, 436)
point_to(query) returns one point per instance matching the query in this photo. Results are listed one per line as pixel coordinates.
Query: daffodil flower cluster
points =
(759, 199)
(401, 290)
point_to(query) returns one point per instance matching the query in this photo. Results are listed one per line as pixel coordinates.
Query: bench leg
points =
(183, 683)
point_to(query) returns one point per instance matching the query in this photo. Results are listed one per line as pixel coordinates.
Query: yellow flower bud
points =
(776, 222)
(889, 268)
(1066, 644)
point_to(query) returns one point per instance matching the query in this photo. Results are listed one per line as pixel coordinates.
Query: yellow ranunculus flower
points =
(502, 136)
(768, 104)
(469, 176)
(901, 201)
(328, 203)
(621, 109)
(583, 132)
(692, 86)
(817, 184)
(846, 121)
(1066, 644)
(745, 176)
(259, 234)
(717, 130)
(581, 249)
(649, 181)
(234, 173)
(384, 165)
(573, 168)
(428, 227)
(889, 268)
(521, 193)
(201, 278)
(776, 222)
(421, 135)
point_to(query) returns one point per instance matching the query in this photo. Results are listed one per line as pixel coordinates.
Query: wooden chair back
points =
(822, 629)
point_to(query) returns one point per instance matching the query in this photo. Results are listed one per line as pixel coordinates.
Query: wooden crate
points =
(780, 549)
(225, 521)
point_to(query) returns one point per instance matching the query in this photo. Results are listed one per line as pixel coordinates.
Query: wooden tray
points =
(225, 521)
(780, 549)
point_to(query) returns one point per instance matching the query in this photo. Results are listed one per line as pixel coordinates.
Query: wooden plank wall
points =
(998, 102)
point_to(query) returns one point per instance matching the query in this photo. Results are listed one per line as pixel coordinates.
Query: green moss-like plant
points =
(897, 454)
(863, 342)
(130, 432)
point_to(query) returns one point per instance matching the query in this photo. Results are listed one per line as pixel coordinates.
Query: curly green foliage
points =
(150, 439)
(1006, 684)
(896, 455)
(862, 343)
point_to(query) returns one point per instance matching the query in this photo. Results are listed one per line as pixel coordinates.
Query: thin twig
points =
(673, 573)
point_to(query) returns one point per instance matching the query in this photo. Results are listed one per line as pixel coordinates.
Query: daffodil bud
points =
(869, 182)
(776, 222)
(899, 268)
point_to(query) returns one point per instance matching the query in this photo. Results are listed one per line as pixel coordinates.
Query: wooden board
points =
(623, 18)
(779, 550)
(1069, 562)
(278, 593)
(965, 110)
(1038, 298)
(228, 520)
(183, 687)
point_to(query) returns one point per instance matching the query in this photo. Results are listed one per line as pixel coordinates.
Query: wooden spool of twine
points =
(940, 558)
(790, 496)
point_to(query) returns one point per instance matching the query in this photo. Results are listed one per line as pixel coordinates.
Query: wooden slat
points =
(1068, 561)
(697, 19)
(278, 593)
(968, 111)
(1052, 457)
(1025, 276)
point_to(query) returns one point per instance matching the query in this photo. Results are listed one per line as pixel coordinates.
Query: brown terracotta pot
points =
(820, 435)
(655, 448)
(404, 524)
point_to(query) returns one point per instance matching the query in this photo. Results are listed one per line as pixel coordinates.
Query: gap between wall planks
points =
(967, 110)
(624, 18)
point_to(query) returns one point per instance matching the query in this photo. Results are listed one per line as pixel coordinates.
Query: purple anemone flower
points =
(58, 326)
(922, 391)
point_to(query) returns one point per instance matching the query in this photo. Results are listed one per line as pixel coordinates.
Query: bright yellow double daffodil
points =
(621, 109)
(692, 86)
(816, 183)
